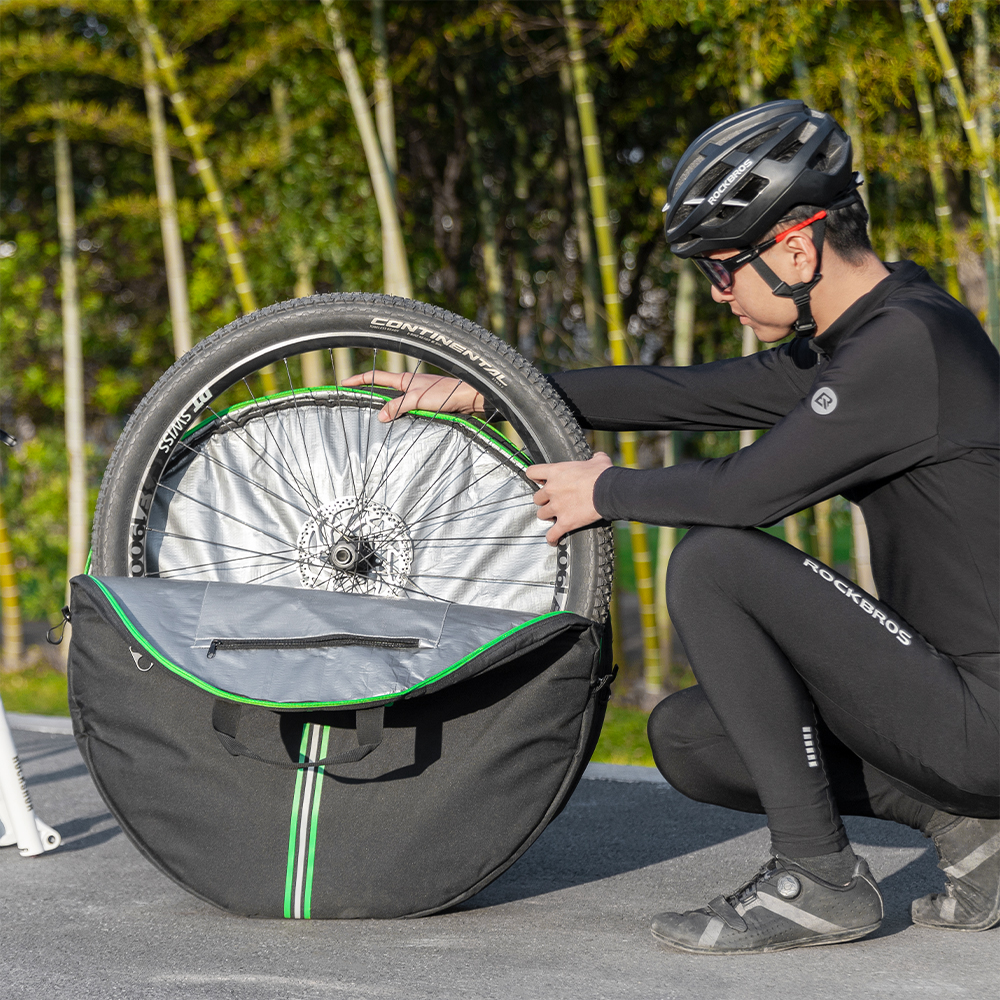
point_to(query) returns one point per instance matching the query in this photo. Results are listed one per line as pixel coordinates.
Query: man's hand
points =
(567, 493)
(436, 393)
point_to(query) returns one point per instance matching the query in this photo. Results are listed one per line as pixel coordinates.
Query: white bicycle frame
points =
(20, 824)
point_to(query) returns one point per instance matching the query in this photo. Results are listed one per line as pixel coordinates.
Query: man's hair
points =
(846, 229)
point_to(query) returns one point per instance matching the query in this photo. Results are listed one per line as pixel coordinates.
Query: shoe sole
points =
(851, 935)
(991, 921)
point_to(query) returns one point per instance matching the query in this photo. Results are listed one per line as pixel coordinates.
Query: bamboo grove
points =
(167, 164)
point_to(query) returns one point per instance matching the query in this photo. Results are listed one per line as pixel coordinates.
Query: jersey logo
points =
(824, 401)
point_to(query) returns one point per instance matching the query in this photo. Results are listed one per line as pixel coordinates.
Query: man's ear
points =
(801, 253)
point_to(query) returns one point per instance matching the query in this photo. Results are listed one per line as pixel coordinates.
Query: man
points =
(814, 698)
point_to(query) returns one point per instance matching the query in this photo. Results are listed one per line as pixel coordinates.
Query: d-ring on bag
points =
(299, 753)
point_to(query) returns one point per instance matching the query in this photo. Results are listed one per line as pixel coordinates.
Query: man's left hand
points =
(567, 494)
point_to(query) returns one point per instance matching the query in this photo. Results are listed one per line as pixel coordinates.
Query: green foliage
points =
(661, 71)
(623, 738)
(36, 691)
(34, 501)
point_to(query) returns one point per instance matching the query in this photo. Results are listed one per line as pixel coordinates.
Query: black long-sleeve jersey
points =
(895, 407)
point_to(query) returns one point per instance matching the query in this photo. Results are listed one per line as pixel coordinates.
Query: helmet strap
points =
(800, 293)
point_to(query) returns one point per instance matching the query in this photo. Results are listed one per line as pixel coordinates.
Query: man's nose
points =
(721, 296)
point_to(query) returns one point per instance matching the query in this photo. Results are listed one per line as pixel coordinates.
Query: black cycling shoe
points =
(783, 906)
(969, 850)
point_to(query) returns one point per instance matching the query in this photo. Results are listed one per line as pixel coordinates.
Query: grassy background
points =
(42, 691)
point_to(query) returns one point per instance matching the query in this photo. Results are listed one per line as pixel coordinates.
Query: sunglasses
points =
(720, 272)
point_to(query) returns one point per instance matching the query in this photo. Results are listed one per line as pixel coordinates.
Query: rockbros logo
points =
(730, 181)
(824, 401)
(860, 598)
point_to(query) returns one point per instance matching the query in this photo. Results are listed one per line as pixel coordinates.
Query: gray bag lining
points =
(176, 619)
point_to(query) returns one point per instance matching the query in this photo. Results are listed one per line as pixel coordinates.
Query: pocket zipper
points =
(315, 642)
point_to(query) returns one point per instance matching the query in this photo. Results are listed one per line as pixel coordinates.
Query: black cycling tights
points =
(814, 699)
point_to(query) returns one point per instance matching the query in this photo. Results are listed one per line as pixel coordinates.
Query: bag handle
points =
(226, 720)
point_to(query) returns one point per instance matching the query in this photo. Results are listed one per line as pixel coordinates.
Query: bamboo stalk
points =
(928, 127)
(312, 361)
(862, 551)
(13, 636)
(591, 284)
(486, 216)
(793, 531)
(206, 173)
(824, 531)
(166, 200)
(192, 132)
(984, 98)
(385, 118)
(72, 361)
(608, 262)
(979, 152)
(684, 317)
(395, 268)
(750, 345)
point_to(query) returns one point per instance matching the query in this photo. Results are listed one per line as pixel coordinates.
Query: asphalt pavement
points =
(570, 919)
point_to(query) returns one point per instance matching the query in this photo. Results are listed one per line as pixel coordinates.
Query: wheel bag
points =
(299, 753)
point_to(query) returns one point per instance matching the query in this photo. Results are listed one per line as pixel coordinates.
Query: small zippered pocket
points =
(316, 642)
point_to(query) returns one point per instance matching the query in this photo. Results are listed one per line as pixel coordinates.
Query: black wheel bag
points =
(295, 753)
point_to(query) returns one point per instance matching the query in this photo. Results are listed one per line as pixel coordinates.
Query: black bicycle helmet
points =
(741, 176)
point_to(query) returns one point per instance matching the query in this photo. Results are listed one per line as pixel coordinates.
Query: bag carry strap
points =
(226, 720)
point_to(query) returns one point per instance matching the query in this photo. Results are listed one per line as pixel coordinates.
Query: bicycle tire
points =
(165, 427)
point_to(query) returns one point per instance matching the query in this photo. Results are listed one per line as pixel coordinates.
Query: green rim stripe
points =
(313, 824)
(495, 436)
(230, 696)
(294, 823)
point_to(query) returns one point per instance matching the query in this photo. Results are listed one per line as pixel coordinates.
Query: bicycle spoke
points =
(256, 484)
(224, 513)
(268, 430)
(295, 407)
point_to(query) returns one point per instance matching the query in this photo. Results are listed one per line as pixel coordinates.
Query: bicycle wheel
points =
(237, 466)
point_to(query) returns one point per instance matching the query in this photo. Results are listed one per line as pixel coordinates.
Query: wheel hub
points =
(355, 546)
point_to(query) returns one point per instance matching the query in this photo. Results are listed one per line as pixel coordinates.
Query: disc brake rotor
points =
(355, 546)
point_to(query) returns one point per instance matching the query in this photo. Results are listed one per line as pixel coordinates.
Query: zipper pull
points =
(211, 649)
(66, 617)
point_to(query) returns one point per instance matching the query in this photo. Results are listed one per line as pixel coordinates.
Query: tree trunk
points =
(984, 99)
(13, 637)
(486, 216)
(608, 261)
(166, 200)
(928, 128)
(591, 283)
(79, 532)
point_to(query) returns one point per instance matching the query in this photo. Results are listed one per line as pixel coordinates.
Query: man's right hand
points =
(436, 393)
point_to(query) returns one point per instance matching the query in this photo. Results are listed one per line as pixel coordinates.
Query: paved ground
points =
(569, 920)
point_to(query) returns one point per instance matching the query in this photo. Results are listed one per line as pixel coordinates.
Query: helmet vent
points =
(754, 141)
